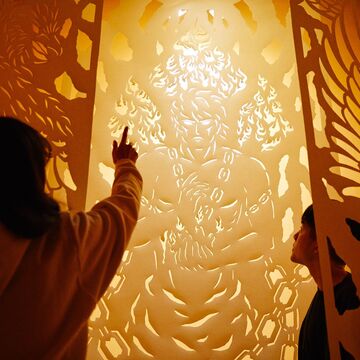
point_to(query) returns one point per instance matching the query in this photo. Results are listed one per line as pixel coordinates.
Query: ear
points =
(315, 247)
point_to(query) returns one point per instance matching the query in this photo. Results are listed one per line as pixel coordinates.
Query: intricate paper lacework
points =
(328, 44)
(207, 274)
(46, 80)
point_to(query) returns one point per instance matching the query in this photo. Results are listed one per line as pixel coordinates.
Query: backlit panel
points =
(209, 91)
(328, 46)
(48, 53)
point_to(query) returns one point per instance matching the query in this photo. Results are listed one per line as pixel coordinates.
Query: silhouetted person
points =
(55, 266)
(313, 342)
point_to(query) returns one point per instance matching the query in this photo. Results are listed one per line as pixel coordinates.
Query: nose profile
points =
(296, 235)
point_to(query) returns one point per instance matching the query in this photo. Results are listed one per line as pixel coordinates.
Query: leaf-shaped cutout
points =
(66, 28)
(353, 107)
(331, 191)
(40, 117)
(43, 91)
(355, 91)
(352, 121)
(60, 127)
(356, 75)
(332, 89)
(351, 27)
(346, 173)
(353, 191)
(346, 147)
(350, 136)
(39, 50)
(345, 160)
(354, 227)
(21, 106)
(342, 44)
(339, 72)
(24, 81)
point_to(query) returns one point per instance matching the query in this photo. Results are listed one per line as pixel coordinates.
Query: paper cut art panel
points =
(47, 78)
(209, 91)
(328, 42)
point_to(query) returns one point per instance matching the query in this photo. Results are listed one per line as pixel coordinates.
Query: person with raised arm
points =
(55, 266)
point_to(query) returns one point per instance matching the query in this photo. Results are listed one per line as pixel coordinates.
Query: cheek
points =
(298, 243)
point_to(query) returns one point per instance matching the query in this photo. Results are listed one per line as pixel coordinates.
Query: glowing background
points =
(210, 92)
(211, 96)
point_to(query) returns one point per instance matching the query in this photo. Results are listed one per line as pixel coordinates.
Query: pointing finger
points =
(124, 136)
(114, 149)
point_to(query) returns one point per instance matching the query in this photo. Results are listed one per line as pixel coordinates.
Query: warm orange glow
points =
(210, 93)
(213, 116)
(245, 11)
(150, 10)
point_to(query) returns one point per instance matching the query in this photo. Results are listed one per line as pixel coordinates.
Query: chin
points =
(295, 260)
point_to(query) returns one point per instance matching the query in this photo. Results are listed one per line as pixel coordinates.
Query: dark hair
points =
(308, 218)
(25, 208)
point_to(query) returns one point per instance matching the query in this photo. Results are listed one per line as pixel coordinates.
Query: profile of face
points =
(304, 249)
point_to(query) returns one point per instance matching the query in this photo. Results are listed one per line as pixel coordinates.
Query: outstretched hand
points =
(124, 150)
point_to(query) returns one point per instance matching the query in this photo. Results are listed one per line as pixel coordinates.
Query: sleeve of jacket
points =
(104, 232)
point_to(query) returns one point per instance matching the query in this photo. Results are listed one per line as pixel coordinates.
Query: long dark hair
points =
(25, 209)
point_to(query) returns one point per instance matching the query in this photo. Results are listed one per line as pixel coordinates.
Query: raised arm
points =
(103, 233)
